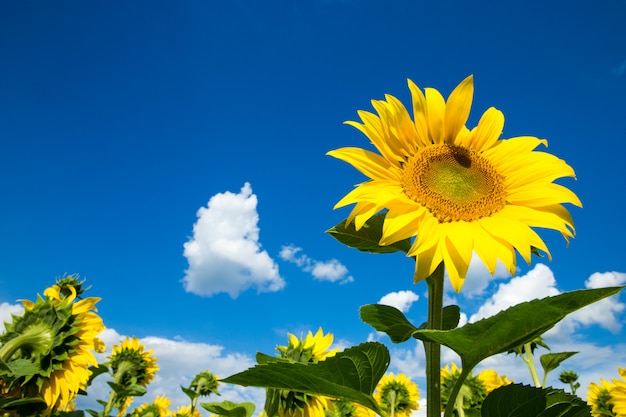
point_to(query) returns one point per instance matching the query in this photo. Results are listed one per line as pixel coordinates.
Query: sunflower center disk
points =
(453, 183)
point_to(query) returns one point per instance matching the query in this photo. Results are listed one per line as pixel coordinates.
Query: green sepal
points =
(230, 409)
(24, 367)
(517, 400)
(272, 402)
(551, 361)
(512, 327)
(351, 375)
(367, 237)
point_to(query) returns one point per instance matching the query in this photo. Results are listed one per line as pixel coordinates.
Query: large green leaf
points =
(230, 409)
(351, 375)
(518, 400)
(512, 327)
(367, 238)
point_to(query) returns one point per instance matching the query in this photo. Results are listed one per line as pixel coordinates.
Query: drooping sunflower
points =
(58, 335)
(398, 393)
(457, 191)
(311, 349)
(599, 397)
(340, 408)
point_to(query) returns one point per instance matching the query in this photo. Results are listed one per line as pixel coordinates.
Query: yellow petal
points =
(436, 108)
(458, 109)
(419, 114)
(368, 163)
(488, 130)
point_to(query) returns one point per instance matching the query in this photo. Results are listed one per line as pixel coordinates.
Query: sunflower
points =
(599, 397)
(340, 408)
(131, 365)
(618, 394)
(456, 190)
(491, 380)
(58, 335)
(185, 411)
(158, 408)
(311, 349)
(397, 395)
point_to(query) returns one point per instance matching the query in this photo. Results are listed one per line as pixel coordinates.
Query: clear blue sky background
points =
(120, 120)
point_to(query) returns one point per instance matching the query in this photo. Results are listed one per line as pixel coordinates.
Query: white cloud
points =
(179, 361)
(537, 283)
(331, 270)
(6, 310)
(224, 253)
(402, 300)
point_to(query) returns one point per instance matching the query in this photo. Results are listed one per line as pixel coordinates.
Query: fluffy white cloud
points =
(402, 300)
(331, 270)
(537, 283)
(224, 253)
(179, 361)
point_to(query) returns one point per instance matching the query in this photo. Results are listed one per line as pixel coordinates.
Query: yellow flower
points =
(598, 397)
(491, 380)
(398, 393)
(310, 349)
(618, 394)
(340, 408)
(138, 365)
(185, 411)
(159, 408)
(456, 190)
(59, 335)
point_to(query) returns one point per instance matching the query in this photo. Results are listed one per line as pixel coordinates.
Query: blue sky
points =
(121, 122)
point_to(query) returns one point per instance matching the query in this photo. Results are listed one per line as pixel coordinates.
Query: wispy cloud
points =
(331, 270)
(620, 70)
(224, 253)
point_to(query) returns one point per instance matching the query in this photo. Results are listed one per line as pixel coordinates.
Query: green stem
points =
(531, 364)
(433, 350)
(454, 392)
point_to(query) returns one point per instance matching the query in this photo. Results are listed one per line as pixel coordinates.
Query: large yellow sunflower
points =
(398, 393)
(456, 190)
(599, 398)
(618, 394)
(58, 334)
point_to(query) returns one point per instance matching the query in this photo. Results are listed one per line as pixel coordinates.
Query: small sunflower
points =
(185, 411)
(311, 349)
(397, 395)
(158, 408)
(457, 191)
(130, 365)
(340, 408)
(599, 397)
(58, 335)
(475, 388)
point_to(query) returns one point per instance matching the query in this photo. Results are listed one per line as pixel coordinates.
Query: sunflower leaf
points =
(230, 409)
(551, 361)
(389, 320)
(351, 375)
(512, 327)
(517, 400)
(366, 238)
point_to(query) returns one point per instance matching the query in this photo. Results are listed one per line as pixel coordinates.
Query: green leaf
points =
(351, 375)
(367, 238)
(512, 327)
(551, 361)
(23, 367)
(450, 319)
(230, 409)
(389, 320)
(518, 400)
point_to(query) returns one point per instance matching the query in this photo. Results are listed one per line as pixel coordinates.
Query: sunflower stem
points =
(433, 350)
(531, 364)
